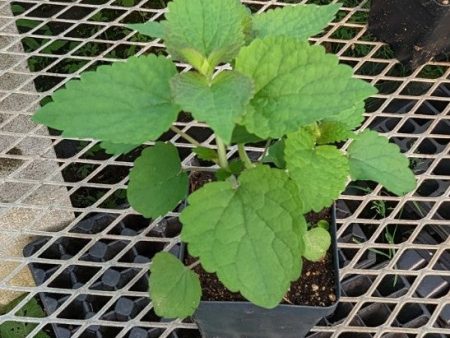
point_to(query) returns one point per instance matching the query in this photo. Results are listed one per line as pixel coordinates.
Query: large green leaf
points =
(300, 21)
(317, 242)
(157, 182)
(320, 172)
(249, 234)
(175, 290)
(218, 103)
(117, 148)
(372, 157)
(199, 31)
(126, 103)
(296, 84)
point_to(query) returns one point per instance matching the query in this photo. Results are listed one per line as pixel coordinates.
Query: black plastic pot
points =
(417, 30)
(218, 319)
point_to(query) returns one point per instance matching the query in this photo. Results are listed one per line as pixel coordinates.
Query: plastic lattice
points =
(394, 252)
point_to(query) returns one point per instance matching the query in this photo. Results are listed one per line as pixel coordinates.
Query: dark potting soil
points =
(315, 287)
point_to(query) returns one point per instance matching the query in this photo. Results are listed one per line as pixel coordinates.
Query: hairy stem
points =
(244, 157)
(222, 152)
(185, 136)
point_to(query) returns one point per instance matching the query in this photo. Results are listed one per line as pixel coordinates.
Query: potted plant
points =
(417, 30)
(246, 227)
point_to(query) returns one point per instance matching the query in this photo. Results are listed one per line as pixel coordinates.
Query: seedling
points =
(248, 226)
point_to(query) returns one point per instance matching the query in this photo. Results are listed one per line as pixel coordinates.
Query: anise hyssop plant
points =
(248, 225)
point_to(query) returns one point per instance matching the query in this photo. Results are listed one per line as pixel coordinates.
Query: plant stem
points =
(244, 157)
(222, 152)
(185, 136)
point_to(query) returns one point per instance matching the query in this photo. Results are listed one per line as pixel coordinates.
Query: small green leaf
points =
(241, 135)
(125, 103)
(300, 21)
(117, 148)
(218, 103)
(372, 157)
(275, 154)
(331, 132)
(206, 154)
(324, 224)
(249, 235)
(234, 168)
(317, 242)
(213, 29)
(152, 29)
(296, 84)
(320, 172)
(175, 290)
(157, 182)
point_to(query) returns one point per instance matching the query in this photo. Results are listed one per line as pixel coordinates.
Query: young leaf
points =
(241, 135)
(174, 289)
(218, 103)
(331, 132)
(125, 103)
(117, 148)
(249, 235)
(275, 154)
(301, 21)
(235, 168)
(296, 84)
(317, 242)
(157, 182)
(209, 29)
(372, 157)
(152, 29)
(206, 154)
(320, 172)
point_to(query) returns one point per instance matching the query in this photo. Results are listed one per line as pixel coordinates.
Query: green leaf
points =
(300, 21)
(117, 148)
(317, 242)
(296, 84)
(218, 103)
(150, 28)
(20, 329)
(372, 157)
(249, 234)
(320, 172)
(206, 154)
(275, 154)
(241, 135)
(157, 181)
(235, 167)
(125, 103)
(331, 132)
(324, 224)
(175, 290)
(212, 29)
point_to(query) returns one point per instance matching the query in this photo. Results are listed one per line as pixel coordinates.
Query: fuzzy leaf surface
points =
(125, 103)
(300, 21)
(372, 157)
(209, 29)
(157, 182)
(218, 103)
(317, 242)
(296, 84)
(250, 235)
(174, 289)
(320, 172)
